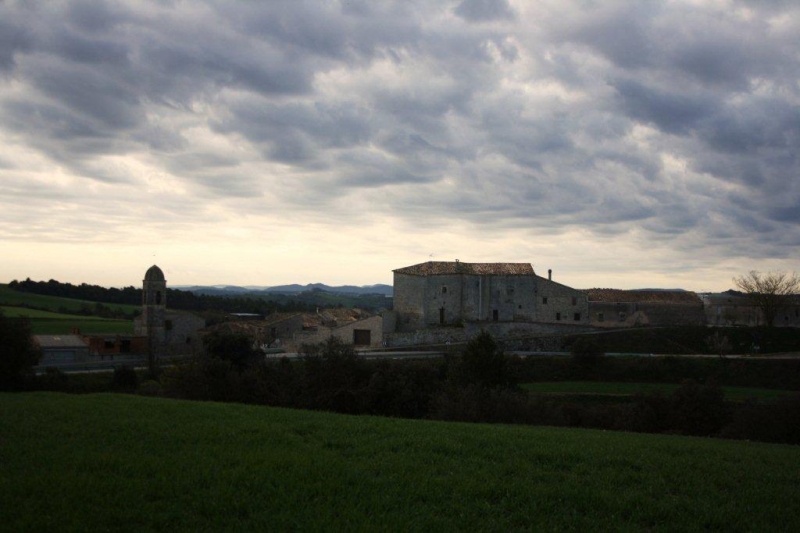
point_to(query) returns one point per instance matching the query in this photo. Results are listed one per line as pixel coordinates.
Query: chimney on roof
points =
(550, 274)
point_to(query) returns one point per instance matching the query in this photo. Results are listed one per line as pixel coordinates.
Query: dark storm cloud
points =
(674, 119)
(671, 112)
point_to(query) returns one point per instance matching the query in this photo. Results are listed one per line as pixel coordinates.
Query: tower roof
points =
(154, 274)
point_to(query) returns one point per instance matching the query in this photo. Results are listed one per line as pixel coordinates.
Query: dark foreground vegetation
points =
(111, 462)
(480, 384)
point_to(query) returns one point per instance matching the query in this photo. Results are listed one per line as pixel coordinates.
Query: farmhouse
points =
(439, 293)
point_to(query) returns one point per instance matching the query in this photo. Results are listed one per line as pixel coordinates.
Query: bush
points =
(235, 348)
(53, 379)
(18, 352)
(124, 379)
(150, 387)
(335, 376)
(483, 363)
(586, 350)
(768, 422)
(403, 390)
(698, 409)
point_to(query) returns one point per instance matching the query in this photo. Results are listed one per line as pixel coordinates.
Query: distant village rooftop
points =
(435, 268)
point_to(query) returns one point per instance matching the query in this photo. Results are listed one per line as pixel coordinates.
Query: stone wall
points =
(631, 314)
(345, 333)
(409, 301)
(558, 303)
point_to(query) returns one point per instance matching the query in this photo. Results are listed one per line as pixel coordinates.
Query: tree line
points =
(176, 299)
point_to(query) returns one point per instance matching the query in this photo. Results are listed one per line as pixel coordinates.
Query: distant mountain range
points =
(231, 290)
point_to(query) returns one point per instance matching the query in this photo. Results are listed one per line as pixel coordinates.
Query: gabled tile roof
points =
(623, 296)
(434, 268)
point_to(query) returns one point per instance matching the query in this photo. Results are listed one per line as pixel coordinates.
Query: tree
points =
(484, 363)
(18, 352)
(234, 347)
(769, 291)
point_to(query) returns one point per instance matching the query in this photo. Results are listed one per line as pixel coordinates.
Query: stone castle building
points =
(169, 332)
(439, 293)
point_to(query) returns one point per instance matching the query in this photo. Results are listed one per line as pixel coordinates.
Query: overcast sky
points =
(621, 144)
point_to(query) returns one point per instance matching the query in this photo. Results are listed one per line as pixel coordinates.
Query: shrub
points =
(334, 376)
(698, 409)
(150, 387)
(586, 350)
(483, 363)
(401, 389)
(53, 379)
(18, 352)
(124, 379)
(777, 421)
(235, 348)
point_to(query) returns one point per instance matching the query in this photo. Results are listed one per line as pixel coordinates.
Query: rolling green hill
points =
(55, 304)
(51, 315)
(115, 462)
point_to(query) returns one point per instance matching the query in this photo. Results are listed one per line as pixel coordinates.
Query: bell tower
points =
(154, 307)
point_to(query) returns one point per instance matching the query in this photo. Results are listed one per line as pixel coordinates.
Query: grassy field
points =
(49, 323)
(606, 388)
(86, 325)
(54, 304)
(115, 462)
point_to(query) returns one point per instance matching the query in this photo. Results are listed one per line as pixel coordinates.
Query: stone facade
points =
(364, 333)
(615, 308)
(451, 294)
(735, 309)
(168, 332)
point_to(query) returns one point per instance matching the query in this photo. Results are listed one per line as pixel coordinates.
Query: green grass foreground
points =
(116, 462)
(629, 389)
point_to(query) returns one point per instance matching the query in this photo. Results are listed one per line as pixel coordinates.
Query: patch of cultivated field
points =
(111, 462)
(52, 303)
(616, 388)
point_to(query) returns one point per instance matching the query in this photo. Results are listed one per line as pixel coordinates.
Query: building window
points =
(599, 317)
(188, 340)
(444, 290)
(577, 317)
(158, 297)
(558, 316)
(108, 344)
(495, 315)
(544, 300)
(621, 317)
(168, 325)
(574, 301)
(519, 306)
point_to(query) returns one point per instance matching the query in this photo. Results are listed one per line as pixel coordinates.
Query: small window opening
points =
(158, 297)
(558, 316)
(599, 317)
(444, 290)
(168, 325)
(577, 317)
(495, 315)
(574, 301)
(544, 300)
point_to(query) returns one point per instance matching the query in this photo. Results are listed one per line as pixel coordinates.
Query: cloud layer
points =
(619, 141)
